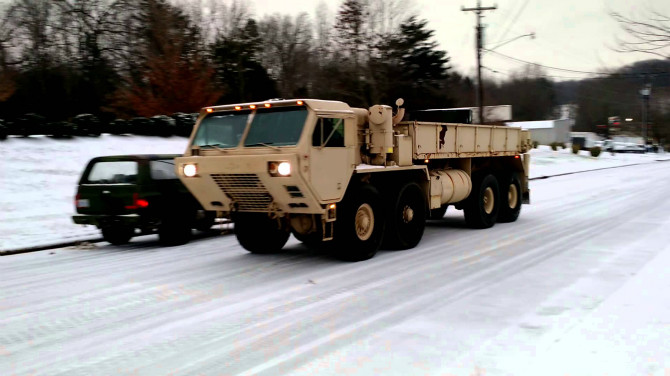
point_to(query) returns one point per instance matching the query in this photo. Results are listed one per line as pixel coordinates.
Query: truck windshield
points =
(221, 129)
(279, 126)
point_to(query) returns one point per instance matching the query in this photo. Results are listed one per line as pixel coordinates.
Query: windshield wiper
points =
(215, 146)
(268, 144)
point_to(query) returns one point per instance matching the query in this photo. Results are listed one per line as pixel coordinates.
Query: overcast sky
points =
(572, 34)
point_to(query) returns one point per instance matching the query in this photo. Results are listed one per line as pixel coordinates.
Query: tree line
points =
(123, 59)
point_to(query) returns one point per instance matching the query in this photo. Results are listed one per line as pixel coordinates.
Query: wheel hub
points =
(488, 200)
(365, 222)
(512, 196)
(407, 214)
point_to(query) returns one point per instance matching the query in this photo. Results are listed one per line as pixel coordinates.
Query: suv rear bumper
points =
(107, 220)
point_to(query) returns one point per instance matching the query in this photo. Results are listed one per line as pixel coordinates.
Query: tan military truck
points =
(355, 177)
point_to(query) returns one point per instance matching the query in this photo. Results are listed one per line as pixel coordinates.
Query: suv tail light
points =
(80, 203)
(138, 202)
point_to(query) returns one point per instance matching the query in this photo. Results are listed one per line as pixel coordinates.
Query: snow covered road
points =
(578, 285)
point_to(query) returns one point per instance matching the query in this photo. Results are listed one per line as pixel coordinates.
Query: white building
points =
(546, 131)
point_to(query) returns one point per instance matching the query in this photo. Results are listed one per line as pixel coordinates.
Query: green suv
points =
(130, 195)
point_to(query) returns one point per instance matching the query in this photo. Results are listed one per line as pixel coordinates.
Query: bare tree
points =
(215, 18)
(286, 52)
(648, 34)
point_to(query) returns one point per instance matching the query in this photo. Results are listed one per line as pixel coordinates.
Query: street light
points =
(531, 35)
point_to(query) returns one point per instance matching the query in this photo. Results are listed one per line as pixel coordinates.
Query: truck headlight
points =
(279, 168)
(190, 170)
(284, 169)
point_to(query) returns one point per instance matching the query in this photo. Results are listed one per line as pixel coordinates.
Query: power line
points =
(611, 75)
(523, 7)
(544, 66)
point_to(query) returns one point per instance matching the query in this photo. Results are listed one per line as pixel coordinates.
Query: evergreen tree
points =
(238, 68)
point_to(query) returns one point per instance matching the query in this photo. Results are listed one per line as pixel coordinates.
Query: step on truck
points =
(352, 177)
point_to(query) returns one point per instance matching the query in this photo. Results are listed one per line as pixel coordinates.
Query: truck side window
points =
(329, 133)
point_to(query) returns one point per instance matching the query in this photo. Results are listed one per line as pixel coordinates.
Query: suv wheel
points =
(118, 234)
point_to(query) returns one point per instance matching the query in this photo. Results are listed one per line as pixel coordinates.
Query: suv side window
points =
(329, 132)
(162, 169)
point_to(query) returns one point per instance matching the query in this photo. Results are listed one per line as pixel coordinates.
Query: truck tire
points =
(311, 240)
(510, 198)
(175, 229)
(407, 219)
(205, 220)
(258, 233)
(359, 228)
(481, 207)
(118, 234)
(436, 214)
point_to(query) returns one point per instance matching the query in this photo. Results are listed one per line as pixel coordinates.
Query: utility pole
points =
(646, 92)
(479, 45)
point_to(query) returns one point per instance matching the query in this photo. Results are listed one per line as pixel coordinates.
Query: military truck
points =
(355, 177)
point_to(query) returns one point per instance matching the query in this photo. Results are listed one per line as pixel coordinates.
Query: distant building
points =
(546, 131)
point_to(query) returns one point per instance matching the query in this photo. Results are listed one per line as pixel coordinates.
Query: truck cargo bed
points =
(451, 140)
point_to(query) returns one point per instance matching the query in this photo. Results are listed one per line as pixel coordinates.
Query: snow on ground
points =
(547, 162)
(577, 286)
(38, 178)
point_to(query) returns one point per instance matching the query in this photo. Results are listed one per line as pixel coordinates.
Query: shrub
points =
(535, 144)
(28, 125)
(554, 146)
(87, 125)
(60, 129)
(162, 125)
(595, 151)
(561, 144)
(3, 130)
(575, 148)
(118, 127)
(140, 126)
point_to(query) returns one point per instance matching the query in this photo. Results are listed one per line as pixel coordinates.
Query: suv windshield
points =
(279, 126)
(116, 172)
(221, 129)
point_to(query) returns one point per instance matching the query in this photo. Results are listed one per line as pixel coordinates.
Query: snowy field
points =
(38, 177)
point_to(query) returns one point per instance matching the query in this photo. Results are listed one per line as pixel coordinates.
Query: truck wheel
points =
(510, 198)
(481, 207)
(311, 240)
(205, 220)
(407, 220)
(117, 235)
(438, 213)
(175, 230)
(360, 224)
(258, 233)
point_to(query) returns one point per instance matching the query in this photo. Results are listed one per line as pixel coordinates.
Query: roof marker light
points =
(252, 106)
(299, 103)
(238, 108)
(210, 110)
(267, 105)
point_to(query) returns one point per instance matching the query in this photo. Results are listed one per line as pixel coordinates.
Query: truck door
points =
(331, 158)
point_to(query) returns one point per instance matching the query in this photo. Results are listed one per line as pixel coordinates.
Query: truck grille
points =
(244, 189)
